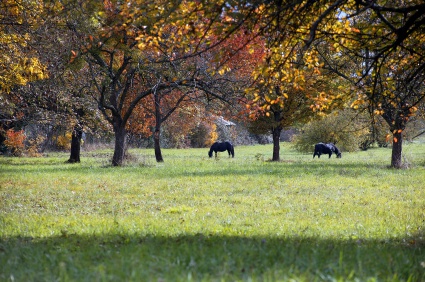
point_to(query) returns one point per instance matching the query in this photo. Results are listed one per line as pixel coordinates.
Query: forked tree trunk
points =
(120, 143)
(276, 143)
(396, 161)
(77, 135)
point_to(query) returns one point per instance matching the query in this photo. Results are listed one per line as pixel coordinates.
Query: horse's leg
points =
(330, 154)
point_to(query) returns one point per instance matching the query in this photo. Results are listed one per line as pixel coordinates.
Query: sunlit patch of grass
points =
(196, 218)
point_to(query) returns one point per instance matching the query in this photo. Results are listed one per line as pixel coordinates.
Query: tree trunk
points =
(157, 133)
(158, 154)
(276, 143)
(120, 143)
(396, 161)
(77, 134)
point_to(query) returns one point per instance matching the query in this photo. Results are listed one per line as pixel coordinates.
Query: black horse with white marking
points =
(322, 148)
(221, 147)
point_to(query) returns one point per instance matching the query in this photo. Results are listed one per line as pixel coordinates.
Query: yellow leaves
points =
(141, 45)
(256, 99)
(20, 72)
(147, 41)
(223, 70)
(347, 25)
(18, 65)
(357, 103)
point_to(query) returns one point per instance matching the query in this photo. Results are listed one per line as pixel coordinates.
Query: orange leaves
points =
(413, 109)
(397, 131)
(321, 102)
(108, 5)
(388, 138)
(15, 141)
(73, 56)
(393, 137)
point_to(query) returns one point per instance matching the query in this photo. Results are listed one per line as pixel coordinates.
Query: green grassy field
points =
(192, 218)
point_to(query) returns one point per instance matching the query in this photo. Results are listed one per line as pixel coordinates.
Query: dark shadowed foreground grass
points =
(198, 219)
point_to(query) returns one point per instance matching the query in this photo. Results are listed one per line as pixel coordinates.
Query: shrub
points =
(198, 136)
(346, 129)
(33, 149)
(213, 136)
(64, 141)
(15, 142)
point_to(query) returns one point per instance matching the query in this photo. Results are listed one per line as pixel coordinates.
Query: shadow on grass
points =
(123, 257)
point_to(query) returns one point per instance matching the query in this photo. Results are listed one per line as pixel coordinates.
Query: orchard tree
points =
(291, 104)
(62, 99)
(284, 94)
(386, 42)
(124, 44)
(378, 37)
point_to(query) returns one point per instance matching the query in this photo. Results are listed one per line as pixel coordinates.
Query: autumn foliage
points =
(162, 62)
(19, 63)
(15, 141)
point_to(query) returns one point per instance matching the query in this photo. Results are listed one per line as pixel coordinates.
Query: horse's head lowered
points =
(337, 151)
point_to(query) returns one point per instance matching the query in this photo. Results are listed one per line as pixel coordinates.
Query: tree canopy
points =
(293, 59)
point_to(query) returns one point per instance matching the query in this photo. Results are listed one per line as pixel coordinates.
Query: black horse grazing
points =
(221, 147)
(322, 148)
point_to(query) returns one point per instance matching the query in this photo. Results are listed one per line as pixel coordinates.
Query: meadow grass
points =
(192, 218)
